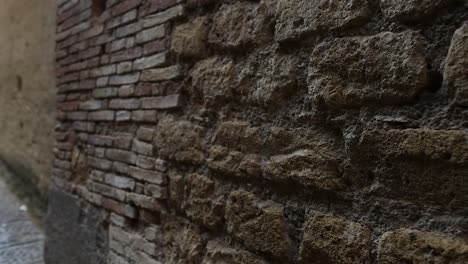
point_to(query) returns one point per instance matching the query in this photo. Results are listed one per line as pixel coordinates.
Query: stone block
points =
(212, 81)
(124, 79)
(162, 74)
(150, 34)
(298, 18)
(259, 224)
(421, 165)
(189, 39)
(182, 241)
(410, 10)
(162, 102)
(147, 175)
(411, 246)
(164, 16)
(240, 25)
(202, 204)
(103, 115)
(125, 104)
(387, 68)
(143, 148)
(310, 168)
(217, 252)
(121, 156)
(152, 61)
(180, 140)
(456, 66)
(330, 239)
(268, 82)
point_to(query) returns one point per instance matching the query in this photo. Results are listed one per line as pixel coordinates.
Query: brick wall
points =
(273, 131)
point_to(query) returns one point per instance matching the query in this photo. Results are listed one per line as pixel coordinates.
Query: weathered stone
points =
(189, 40)
(240, 136)
(421, 165)
(143, 148)
(328, 239)
(103, 115)
(119, 182)
(410, 10)
(268, 82)
(162, 17)
(145, 134)
(161, 74)
(179, 140)
(147, 175)
(182, 242)
(202, 204)
(298, 18)
(317, 168)
(387, 68)
(124, 79)
(456, 66)
(261, 225)
(150, 34)
(235, 163)
(218, 253)
(162, 102)
(176, 190)
(239, 25)
(411, 246)
(212, 81)
(156, 60)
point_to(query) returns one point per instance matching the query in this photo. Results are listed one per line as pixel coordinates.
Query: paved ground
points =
(20, 241)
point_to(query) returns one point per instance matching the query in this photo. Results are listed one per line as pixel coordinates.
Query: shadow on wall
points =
(24, 183)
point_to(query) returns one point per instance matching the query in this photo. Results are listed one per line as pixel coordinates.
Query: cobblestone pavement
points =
(20, 241)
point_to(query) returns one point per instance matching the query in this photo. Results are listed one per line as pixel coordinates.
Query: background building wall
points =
(27, 93)
(274, 131)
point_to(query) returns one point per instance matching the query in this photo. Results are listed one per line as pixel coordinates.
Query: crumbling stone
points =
(328, 239)
(189, 40)
(387, 68)
(260, 225)
(217, 252)
(408, 11)
(299, 18)
(239, 25)
(212, 81)
(456, 65)
(414, 246)
(202, 203)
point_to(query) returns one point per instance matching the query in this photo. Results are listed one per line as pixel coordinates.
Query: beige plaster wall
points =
(27, 88)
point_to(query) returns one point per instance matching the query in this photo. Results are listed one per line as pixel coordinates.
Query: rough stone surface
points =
(456, 66)
(212, 80)
(443, 152)
(328, 239)
(271, 83)
(407, 11)
(413, 246)
(297, 18)
(183, 242)
(180, 140)
(217, 252)
(189, 39)
(239, 25)
(387, 68)
(261, 225)
(266, 131)
(202, 204)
